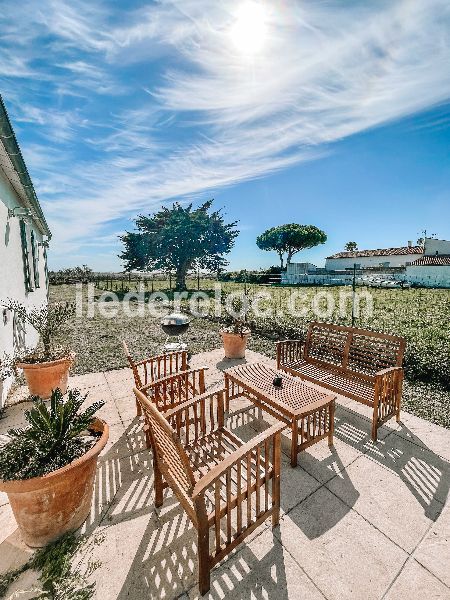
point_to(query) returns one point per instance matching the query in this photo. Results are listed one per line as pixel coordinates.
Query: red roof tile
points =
(432, 261)
(405, 250)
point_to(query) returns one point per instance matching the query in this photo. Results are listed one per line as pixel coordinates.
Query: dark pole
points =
(198, 278)
(354, 294)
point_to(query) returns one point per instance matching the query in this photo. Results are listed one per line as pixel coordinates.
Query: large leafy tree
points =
(290, 239)
(178, 239)
(351, 246)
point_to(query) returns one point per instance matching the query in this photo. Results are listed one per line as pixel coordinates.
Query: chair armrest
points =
(219, 470)
(192, 401)
(198, 416)
(162, 380)
(384, 372)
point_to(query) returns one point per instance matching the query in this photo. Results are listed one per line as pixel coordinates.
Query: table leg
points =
(331, 430)
(294, 443)
(227, 393)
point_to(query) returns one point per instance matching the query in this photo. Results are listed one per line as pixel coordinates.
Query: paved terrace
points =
(359, 520)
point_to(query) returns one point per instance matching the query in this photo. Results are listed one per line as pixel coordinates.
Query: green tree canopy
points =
(351, 246)
(290, 239)
(179, 238)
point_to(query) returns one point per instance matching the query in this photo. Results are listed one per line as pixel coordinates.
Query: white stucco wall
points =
(338, 264)
(430, 276)
(433, 247)
(12, 283)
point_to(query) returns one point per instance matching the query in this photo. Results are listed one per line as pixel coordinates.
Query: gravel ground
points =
(97, 343)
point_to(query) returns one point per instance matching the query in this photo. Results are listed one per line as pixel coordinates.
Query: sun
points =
(249, 31)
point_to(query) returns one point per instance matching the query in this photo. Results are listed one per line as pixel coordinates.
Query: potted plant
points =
(236, 335)
(48, 469)
(47, 367)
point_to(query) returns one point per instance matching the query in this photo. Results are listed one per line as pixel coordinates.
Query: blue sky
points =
(329, 113)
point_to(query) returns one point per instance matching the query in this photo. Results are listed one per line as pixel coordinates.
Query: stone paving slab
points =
(341, 552)
(416, 582)
(377, 498)
(359, 520)
(434, 551)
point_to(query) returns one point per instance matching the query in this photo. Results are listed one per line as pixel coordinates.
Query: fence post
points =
(353, 294)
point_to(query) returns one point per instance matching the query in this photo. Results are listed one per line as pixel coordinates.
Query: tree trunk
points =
(281, 260)
(289, 257)
(181, 277)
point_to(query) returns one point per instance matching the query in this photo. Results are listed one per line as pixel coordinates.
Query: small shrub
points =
(47, 320)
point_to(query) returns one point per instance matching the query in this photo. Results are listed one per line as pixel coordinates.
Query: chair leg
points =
(331, 430)
(159, 486)
(138, 409)
(276, 516)
(374, 431)
(294, 443)
(204, 568)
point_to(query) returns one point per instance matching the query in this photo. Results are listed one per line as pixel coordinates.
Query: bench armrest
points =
(289, 351)
(258, 442)
(384, 372)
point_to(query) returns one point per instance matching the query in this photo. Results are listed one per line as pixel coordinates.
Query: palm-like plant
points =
(53, 439)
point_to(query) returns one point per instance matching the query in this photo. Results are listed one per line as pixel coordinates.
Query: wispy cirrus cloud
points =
(152, 103)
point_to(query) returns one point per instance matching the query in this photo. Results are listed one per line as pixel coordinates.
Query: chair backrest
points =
(169, 452)
(352, 349)
(170, 391)
(156, 367)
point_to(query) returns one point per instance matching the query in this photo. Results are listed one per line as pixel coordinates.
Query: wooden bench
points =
(227, 487)
(360, 364)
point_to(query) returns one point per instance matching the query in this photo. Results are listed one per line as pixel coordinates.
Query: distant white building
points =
(432, 269)
(23, 241)
(295, 272)
(383, 257)
(427, 265)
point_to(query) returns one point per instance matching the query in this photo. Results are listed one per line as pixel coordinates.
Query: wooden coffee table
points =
(308, 412)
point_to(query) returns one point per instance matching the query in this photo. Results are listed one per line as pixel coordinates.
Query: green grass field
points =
(421, 316)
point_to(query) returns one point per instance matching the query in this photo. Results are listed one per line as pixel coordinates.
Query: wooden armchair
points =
(170, 391)
(156, 367)
(227, 487)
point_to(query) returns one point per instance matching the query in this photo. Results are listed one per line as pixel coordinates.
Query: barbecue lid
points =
(175, 319)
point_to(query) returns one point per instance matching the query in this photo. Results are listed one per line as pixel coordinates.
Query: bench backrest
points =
(353, 350)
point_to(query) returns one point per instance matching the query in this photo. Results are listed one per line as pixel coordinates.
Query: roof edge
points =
(377, 252)
(9, 141)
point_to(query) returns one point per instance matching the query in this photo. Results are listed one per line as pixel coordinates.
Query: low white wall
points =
(429, 276)
(12, 283)
(317, 279)
(338, 264)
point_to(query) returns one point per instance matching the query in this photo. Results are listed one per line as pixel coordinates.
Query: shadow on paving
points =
(162, 553)
(424, 473)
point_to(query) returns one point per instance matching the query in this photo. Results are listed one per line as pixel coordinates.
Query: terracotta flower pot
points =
(47, 507)
(44, 377)
(234, 344)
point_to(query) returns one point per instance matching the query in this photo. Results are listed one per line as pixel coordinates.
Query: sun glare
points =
(249, 31)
